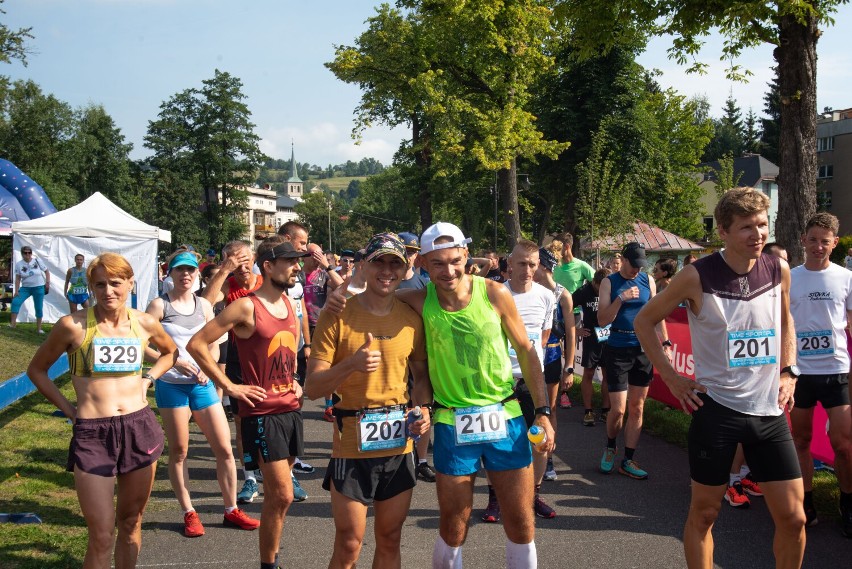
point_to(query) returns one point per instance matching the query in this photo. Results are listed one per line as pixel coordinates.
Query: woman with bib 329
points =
(116, 435)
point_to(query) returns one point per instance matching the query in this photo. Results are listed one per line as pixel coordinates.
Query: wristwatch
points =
(667, 344)
(543, 411)
(792, 371)
(329, 269)
(568, 369)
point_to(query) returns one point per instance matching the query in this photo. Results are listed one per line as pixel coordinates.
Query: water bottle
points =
(536, 435)
(413, 416)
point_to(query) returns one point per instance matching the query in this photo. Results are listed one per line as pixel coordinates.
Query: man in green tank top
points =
(469, 322)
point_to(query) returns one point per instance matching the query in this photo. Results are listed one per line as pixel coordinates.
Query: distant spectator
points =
(848, 260)
(505, 273)
(664, 270)
(614, 264)
(689, 259)
(775, 249)
(32, 279)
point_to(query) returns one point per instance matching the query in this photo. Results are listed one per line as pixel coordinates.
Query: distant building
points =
(285, 210)
(260, 213)
(295, 185)
(754, 171)
(834, 156)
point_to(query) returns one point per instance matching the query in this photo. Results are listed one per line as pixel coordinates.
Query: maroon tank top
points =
(268, 359)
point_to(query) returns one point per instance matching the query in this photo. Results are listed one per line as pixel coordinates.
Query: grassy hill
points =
(334, 184)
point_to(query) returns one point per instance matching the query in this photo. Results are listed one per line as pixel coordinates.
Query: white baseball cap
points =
(442, 229)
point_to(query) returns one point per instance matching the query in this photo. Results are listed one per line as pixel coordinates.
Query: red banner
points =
(678, 328)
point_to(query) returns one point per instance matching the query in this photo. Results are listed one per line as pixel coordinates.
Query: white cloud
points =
(328, 143)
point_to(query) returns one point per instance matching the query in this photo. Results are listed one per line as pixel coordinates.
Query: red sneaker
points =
(239, 519)
(736, 497)
(751, 487)
(192, 525)
(329, 414)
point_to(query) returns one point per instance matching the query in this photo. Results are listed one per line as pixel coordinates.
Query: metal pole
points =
(330, 247)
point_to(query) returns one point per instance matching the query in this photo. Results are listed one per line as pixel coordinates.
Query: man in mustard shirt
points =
(362, 356)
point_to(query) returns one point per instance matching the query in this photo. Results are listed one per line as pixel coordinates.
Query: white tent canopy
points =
(91, 227)
(95, 217)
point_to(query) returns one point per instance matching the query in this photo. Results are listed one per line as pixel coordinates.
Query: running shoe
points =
(248, 492)
(735, 495)
(550, 472)
(846, 521)
(426, 472)
(258, 475)
(303, 467)
(542, 510)
(237, 518)
(603, 415)
(810, 516)
(564, 401)
(589, 419)
(608, 460)
(299, 494)
(491, 515)
(750, 486)
(328, 415)
(631, 468)
(192, 525)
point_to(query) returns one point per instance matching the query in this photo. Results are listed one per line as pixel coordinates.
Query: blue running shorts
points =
(194, 395)
(510, 453)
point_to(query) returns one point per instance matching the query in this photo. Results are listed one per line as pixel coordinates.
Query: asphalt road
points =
(606, 521)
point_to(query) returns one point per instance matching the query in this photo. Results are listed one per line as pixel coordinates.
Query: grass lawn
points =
(17, 346)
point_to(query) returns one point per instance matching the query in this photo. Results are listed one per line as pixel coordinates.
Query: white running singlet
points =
(818, 302)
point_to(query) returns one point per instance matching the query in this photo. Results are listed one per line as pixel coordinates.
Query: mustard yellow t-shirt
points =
(398, 335)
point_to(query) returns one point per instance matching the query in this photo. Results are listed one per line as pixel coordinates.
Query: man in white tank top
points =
(743, 343)
(821, 305)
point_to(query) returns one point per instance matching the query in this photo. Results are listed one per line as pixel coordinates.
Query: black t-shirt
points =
(494, 275)
(586, 298)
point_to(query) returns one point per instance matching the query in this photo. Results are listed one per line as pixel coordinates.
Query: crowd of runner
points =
(411, 339)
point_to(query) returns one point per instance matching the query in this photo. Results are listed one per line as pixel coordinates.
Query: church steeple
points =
(294, 183)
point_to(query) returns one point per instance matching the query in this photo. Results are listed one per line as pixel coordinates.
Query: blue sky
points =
(131, 55)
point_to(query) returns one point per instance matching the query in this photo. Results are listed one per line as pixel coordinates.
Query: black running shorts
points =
(367, 479)
(832, 390)
(715, 432)
(272, 437)
(626, 366)
(592, 353)
(112, 446)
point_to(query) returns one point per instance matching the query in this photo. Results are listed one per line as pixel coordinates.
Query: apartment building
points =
(834, 156)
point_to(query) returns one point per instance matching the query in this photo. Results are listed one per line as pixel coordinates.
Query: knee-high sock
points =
(521, 555)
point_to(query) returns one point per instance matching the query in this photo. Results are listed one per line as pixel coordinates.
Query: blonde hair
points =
(741, 202)
(113, 264)
(555, 247)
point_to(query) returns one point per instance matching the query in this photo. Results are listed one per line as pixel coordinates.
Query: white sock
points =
(734, 478)
(230, 509)
(249, 475)
(185, 512)
(446, 557)
(422, 461)
(521, 555)
(744, 470)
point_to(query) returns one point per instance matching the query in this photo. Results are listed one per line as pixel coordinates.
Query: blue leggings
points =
(37, 292)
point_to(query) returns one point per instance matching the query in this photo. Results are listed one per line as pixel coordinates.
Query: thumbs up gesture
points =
(367, 360)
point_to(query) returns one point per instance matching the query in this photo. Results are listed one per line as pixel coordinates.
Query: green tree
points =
(36, 131)
(13, 42)
(770, 125)
(484, 58)
(206, 133)
(384, 61)
(751, 133)
(729, 133)
(605, 197)
(102, 159)
(789, 25)
(319, 212)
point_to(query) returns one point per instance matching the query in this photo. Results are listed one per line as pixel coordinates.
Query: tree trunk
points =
(507, 185)
(796, 57)
(421, 160)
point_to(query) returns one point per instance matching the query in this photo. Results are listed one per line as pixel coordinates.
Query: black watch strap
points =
(543, 411)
